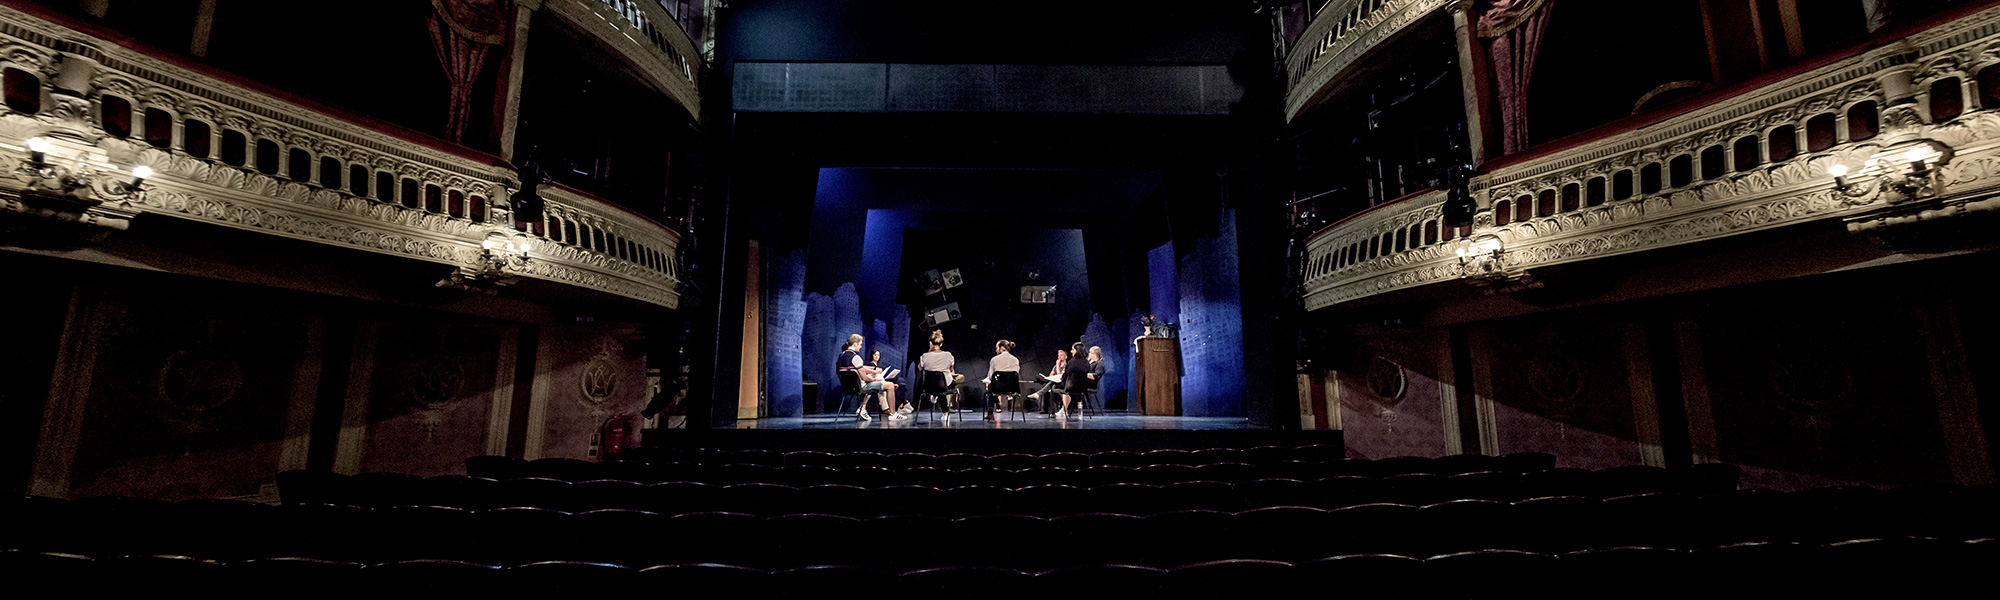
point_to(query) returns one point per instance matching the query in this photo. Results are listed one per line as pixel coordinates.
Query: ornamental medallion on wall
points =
(600, 378)
(434, 383)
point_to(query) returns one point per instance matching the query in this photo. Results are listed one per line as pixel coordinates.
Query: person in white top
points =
(1003, 362)
(939, 360)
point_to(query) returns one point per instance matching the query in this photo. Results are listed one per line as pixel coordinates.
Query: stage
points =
(1005, 421)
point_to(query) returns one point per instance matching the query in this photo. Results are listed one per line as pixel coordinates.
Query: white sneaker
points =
(1062, 414)
(863, 413)
(898, 416)
(906, 409)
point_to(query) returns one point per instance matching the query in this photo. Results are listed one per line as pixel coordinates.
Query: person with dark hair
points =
(1003, 362)
(1076, 378)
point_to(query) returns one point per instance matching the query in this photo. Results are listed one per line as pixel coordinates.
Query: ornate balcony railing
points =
(647, 36)
(231, 155)
(1751, 162)
(1337, 38)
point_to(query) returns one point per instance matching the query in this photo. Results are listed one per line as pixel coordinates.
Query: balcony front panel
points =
(647, 37)
(230, 155)
(1752, 162)
(1341, 34)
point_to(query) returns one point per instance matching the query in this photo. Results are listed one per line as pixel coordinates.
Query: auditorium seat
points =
(1165, 536)
(760, 498)
(756, 456)
(507, 536)
(813, 581)
(1363, 575)
(1115, 458)
(909, 460)
(1204, 495)
(564, 469)
(1463, 525)
(615, 536)
(532, 491)
(490, 467)
(565, 579)
(1637, 572)
(1371, 528)
(960, 461)
(1404, 465)
(1064, 460)
(1318, 453)
(1280, 533)
(293, 577)
(808, 458)
(706, 580)
(143, 575)
(1167, 456)
(324, 487)
(1105, 581)
(1559, 523)
(1233, 577)
(1212, 456)
(1484, 485)
(1107, 537)
(811, 539)
(1487, 573)
(432, 578)
(1012, 461)
(965, 582)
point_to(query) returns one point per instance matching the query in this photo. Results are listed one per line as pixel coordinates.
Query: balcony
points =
(648, 38)
(1754, 161)
(229, 154)
(1342, 33)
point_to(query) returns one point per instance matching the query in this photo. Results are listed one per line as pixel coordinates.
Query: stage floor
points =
(1005, 421)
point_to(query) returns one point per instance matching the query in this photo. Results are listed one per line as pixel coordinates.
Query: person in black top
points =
(1076, 376)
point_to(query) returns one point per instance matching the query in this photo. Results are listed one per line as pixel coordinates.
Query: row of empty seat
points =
(643, 461)
(221, 529)
(376, 489)
(1905, 567)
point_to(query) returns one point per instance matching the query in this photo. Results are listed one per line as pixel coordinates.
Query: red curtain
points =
(1515, 28)
(462, 32)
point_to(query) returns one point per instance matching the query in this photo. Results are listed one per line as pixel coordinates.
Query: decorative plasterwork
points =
(1338, 38)
(207, 190)
(607, 21)
(1770, 195)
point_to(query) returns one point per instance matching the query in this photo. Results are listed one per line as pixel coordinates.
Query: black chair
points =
(936, 386)
(1007, 384)
(1087, 399)
(850, 389)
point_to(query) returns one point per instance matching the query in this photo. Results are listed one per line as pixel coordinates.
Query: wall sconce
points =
(75, 184)
(502, 255)
(1899, 173)
(1481, 256)
(1482, 260)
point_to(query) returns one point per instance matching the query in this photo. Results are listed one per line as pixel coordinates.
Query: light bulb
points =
(1917, 154)
(36, 144)
(141, 172)
(1837, 170)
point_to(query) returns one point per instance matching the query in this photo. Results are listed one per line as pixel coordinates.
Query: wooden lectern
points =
(1159, 371)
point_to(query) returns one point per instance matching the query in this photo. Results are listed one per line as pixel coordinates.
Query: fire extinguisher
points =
(614, 437)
